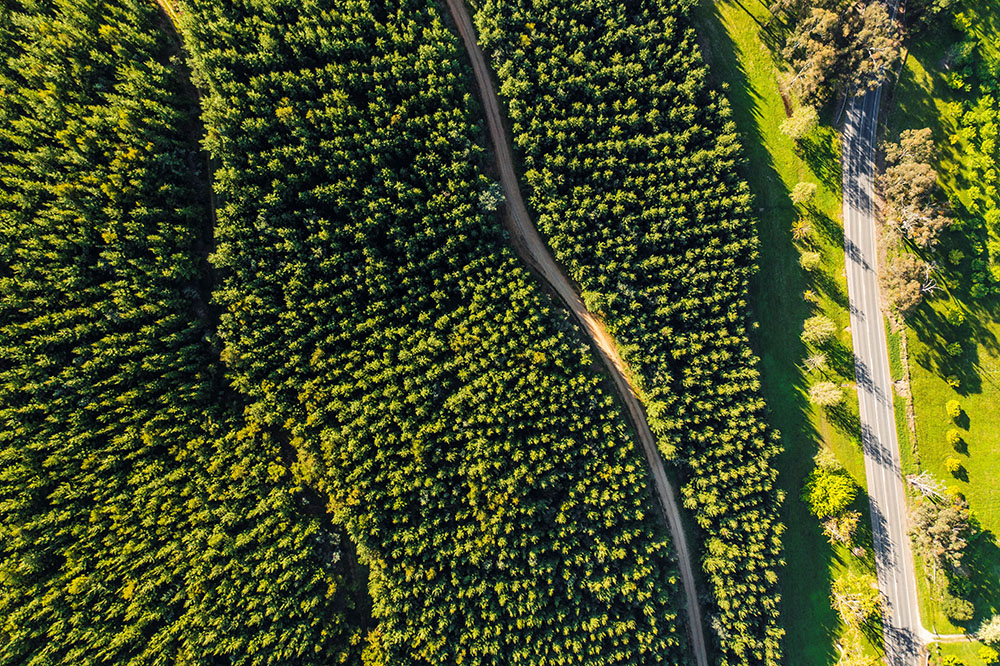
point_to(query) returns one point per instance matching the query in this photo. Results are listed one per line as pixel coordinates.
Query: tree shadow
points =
(831, 230)
(841, 360)
(936, 334)
(819, 153)
(982, 563)
(845, 420)
(827, 284)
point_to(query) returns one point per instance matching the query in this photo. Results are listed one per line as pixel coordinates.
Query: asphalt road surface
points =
(532, 249)
(904, 635)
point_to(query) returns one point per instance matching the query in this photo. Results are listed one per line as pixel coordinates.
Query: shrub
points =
(954, 409)
(957, 608)
(825, 394)
(810, 261)
(953, 465)
(954, 437)
(803, 194)
(818, 330)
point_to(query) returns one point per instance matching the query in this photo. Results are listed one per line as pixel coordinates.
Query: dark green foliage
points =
(371, 310)
(629, 162)
(974, 66)
(141, 522)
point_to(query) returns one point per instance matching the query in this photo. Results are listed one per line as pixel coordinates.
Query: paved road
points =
(904, 635)
(532, 248)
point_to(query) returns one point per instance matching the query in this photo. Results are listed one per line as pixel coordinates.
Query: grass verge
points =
(783, 296)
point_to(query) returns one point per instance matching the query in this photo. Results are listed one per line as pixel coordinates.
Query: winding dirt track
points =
(532, 248)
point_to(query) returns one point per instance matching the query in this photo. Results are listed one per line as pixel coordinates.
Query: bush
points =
(957, 608)
(988, 654)
(954, 409)
(954, 349)
(825, 394)
(953, 465)
(818, 330)
(804, 194)
(954, 437)
(810, 261)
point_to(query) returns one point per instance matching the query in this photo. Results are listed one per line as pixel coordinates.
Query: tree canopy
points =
(629, 161)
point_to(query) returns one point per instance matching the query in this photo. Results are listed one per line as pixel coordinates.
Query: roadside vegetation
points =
(948, 90)
(800, 300)
(374, 314)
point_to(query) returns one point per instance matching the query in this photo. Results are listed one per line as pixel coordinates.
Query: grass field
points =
(921, 100)
(732, 40)
(967, 652)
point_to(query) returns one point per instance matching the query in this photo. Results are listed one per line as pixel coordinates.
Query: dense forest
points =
(143, 519)
(317, 412)
(629, 162)
(373, 312)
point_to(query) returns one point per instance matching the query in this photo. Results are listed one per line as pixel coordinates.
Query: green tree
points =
(829, 494)
(954, 409)
(810, 261)
(818, 330)
(803, 194)
(874, 50)
(825, 394)
(801, 124)
(814, 52)
(905, 281)
(911, 189)
(856, 599)
(941, 532)
(989, 631)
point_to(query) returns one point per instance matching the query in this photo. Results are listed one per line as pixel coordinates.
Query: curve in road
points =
(532, 249)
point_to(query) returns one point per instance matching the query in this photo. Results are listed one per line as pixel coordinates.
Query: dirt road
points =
(532, 248)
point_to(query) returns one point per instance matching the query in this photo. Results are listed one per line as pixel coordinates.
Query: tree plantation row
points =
(310, 408)
(629, 161)
(372, 310)
(383, 367)
(143, 518)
